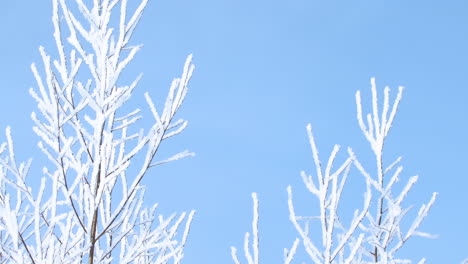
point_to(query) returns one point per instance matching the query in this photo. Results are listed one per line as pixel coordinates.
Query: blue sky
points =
(264, 69)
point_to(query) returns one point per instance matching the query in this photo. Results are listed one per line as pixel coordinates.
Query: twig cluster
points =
(89, 205)
(369, 237)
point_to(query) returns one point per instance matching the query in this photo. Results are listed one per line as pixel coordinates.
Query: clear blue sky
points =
(264, 69)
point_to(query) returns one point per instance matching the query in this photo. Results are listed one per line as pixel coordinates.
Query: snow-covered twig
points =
(252, 257)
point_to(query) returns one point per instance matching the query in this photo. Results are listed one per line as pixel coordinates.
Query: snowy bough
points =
(88, 207)
(376, 231)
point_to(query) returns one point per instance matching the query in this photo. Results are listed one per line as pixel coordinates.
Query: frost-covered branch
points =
(384, 229)
(328, 188)
(370, 237)
(252, 258)
(89, 205)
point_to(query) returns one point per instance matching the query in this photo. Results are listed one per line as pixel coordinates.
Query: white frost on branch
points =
(252, 258)
(368, 238)
(385, 233)
(89, 207)
(338, 244)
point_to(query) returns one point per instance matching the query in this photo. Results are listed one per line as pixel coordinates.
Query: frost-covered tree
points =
(375, 232)
(88, 207)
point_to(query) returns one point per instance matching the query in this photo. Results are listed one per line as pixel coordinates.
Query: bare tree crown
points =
(93, 212)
